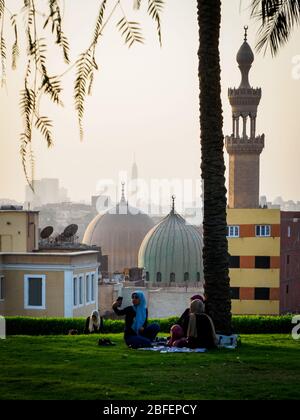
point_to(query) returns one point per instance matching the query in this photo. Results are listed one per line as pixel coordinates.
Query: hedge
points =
(57, 326)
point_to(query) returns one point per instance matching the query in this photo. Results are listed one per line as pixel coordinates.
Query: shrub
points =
(57, 326)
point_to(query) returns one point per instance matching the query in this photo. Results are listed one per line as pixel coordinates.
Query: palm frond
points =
(278, 19)
(52, 87)
(38, 50)
(55, 18)
(86, 65)
(27, 105)
(131, 31)
(155, 8)
(91, 82)
(44, 125)
(137, 4)
(99, 22)
(24, 143)
(2, 8)
(3, 61)
(15, 47)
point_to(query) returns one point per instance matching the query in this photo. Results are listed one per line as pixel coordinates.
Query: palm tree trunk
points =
(215, 251)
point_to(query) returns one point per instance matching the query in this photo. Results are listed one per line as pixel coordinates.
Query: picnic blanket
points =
(224, 341)
(163, 349)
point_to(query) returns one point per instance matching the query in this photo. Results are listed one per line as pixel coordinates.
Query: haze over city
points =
(145, 102)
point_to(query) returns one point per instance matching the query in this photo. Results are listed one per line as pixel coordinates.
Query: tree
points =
(215, 251)
(278, 18)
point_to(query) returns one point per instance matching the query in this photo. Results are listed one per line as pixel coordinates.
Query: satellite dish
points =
(70, 231)
(46, 232)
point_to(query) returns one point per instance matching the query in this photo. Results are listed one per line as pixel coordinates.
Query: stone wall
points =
(164, 302)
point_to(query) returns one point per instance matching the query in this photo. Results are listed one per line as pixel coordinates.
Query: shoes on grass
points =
(105, 342)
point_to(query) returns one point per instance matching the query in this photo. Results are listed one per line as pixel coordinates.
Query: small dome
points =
(172, 252)
(119, 232)
(245, 55)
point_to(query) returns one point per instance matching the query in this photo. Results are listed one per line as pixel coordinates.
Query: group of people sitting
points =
(194, 329)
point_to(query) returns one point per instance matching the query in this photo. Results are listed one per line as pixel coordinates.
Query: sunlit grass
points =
(75, 367)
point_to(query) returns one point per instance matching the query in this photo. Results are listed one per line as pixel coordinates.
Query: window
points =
(234, 261)
(172, 277)
(186, 276)
(233, 231)
(147, 276)
(35, 291)
(158, 277)
(261, 293)
(75, 291)
(287, 259)
(289, 231)
(198, 277)
(235, 293)
(81, 290)
(87, 289)
(287, 289)
(93, 287)
(263, 230)
(262, 262)
(1, 287)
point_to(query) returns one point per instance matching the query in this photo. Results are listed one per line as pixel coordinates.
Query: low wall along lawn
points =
(57, 326)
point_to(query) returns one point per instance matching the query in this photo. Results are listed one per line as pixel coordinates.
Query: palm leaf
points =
(278, 19)
(44, 125)
(2, 8)
(55, 18)
(155, 7)
(85, 67)
(99, 22)
(3, 60)
(15, 47)
(131, 31)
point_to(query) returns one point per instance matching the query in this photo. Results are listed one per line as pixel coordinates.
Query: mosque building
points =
(120, 231)
(171, 252)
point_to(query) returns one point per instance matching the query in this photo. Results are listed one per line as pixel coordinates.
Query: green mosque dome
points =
(171, 252)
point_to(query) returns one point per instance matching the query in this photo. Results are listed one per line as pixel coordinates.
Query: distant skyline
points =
(145, 102)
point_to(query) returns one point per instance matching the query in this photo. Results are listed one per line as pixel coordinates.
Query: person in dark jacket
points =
(137, 332)
(183, 320)
(93, 324)
(200, 328)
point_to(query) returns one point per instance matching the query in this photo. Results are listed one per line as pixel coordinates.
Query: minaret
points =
(122, 206)
(244, 146)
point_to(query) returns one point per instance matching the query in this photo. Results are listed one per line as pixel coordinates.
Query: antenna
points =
(70, 231)
(46, 232)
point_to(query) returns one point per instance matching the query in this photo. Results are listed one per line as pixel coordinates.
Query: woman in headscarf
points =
(200, 327)
(137, 332)
(93, 323)
(184, 319)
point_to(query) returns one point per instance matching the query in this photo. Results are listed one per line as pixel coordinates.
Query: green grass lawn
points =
(74, 367)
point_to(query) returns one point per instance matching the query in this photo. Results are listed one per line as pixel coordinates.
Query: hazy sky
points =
(145, 101)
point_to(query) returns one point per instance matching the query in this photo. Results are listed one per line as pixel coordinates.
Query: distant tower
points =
(134, 170)
(133, 190)
(243, 146)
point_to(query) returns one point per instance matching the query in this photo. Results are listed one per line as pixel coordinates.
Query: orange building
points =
(254, 248)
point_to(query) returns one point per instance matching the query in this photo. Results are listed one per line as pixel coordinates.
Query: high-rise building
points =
(46, 190)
